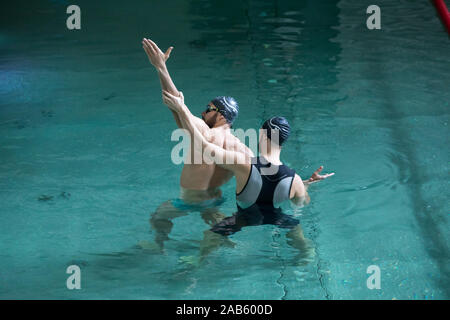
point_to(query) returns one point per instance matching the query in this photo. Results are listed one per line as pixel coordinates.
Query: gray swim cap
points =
(228, 107)
(281, 125)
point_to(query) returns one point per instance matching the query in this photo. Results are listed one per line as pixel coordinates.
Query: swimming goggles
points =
(211, 108)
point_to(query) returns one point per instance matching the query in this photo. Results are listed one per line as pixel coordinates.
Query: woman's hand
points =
(317, 177)
(173, 102)
(154, 54)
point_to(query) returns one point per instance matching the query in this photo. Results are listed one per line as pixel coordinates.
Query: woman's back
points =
(267, 184)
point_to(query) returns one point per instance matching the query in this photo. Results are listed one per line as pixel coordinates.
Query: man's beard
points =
(209, 123)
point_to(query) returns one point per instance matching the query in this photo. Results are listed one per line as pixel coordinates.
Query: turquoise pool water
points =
(85, 147)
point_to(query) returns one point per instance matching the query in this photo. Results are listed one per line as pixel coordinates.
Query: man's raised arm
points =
(158, 60)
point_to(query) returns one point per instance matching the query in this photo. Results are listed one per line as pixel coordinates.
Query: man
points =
(199, 182)
(262, 183)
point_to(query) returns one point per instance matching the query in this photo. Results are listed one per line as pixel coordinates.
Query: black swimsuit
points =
(258, 203)
(267, 184)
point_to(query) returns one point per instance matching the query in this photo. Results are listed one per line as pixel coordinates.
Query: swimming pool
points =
(85, 147)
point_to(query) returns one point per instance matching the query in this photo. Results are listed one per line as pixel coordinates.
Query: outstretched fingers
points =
(147, 50)
(153, 45)
(148, 46)
(318, 170)
(317, 177)
(327, 175)
(167, 54)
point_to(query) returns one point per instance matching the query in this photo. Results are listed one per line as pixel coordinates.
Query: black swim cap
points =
(228, 107)
(280, 124)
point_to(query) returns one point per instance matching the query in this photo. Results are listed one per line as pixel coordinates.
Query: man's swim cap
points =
(280, 124)
(228, 107)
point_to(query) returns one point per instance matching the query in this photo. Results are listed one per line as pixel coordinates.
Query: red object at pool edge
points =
(443, 13)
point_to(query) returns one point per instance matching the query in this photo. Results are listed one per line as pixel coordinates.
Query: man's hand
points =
(317, 177)
(173, 102)
(155, 55)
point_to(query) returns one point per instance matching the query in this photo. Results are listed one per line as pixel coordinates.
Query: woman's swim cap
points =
(228, 107)
(280, 124)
